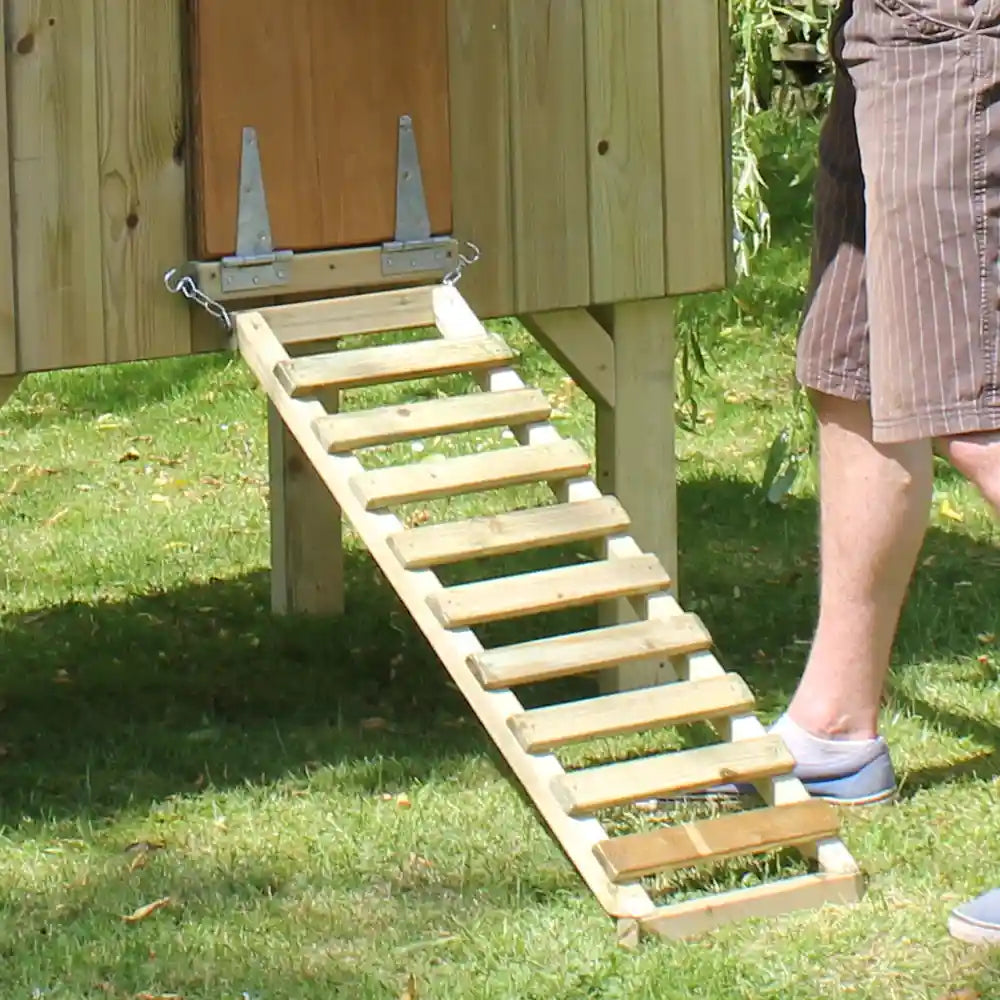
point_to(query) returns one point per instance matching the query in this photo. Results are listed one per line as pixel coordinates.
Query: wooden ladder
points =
(614, 867)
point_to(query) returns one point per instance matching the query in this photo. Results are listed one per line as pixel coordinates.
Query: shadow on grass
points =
(108, 706)
(68, 394)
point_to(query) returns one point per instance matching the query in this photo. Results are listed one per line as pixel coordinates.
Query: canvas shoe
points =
(978, 920)
(873, 784)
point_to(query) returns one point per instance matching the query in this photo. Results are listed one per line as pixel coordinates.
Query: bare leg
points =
(873, 516)
(977, 457)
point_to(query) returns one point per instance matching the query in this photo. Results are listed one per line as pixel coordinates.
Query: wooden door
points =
(324, 83)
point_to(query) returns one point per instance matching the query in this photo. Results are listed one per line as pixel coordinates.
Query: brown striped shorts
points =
(903, 307)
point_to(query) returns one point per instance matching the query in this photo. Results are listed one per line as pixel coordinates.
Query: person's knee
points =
(977, 457)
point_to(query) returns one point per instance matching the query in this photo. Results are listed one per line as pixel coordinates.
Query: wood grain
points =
(307, 561)
(635, 448)
(478, 43)
(431, 417)
(695, 144)
(675, 704)
(756, 832)
(694, 917)
(324, 83)
(55, 147)
(8, 318)
(485, 470)
(624, 150)
(392, 363)
(515, 531)
(547, 590)
(548, 155)
(142, 179)
(581, 345)
(584, 652)
(616, 784)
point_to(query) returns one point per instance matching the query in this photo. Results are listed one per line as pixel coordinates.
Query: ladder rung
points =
(583, 652)
(769, 899)
(471, 474)
(675, 704)
(665, 774)
(547, 590)
(392, 363)
(341, 432)
(438, 544)
(635, 855)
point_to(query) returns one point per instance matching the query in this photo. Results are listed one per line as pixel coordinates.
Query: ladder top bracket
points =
(413, 248)
(256, 264)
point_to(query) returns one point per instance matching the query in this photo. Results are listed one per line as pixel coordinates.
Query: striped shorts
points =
(903, 307)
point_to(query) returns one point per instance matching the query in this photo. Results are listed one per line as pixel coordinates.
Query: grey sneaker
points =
(873, 784)
(977, 921)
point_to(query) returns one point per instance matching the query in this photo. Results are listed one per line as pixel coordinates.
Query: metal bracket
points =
(256, 263)
(413, 249)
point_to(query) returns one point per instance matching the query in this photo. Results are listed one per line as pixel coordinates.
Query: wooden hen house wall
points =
(581, 144)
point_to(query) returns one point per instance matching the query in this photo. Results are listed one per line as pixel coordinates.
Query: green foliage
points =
(758, 29)
(757, 26)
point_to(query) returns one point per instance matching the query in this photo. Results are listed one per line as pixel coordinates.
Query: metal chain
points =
(185, 286)
(453, 277)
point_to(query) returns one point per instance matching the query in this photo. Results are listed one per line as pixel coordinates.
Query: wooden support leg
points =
(307, 568)
(635, 448)
(8, 386)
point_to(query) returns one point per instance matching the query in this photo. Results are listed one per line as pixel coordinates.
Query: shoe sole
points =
(971, 932)
(882, 798)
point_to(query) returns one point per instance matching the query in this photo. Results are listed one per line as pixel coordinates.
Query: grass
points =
(312, 797)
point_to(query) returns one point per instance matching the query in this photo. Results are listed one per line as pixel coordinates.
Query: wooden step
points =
(478, 537)
(544, 729)
(583, 652)
(343, 432)
(547, 590)
(392, 363)
(346, 316)
(471, 474)
(756, 832)
(694, 917)
(595, 788)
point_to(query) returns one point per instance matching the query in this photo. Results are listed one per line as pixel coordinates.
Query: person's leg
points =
(830, 726)
(874, 505)
(977, 457)
(898, 346)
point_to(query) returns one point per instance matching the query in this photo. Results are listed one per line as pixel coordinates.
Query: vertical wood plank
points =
(266, 47)
(54, 135)
(695, 145)
(478, 43)
(635, 450)
(8, 315)
(307, 575)
(624, 150)
(143, 189)
(548, 154)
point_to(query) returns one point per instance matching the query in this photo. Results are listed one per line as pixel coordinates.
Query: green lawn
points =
(312, 797)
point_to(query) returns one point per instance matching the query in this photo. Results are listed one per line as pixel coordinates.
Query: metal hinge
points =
(413, 249)
(256, 264)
